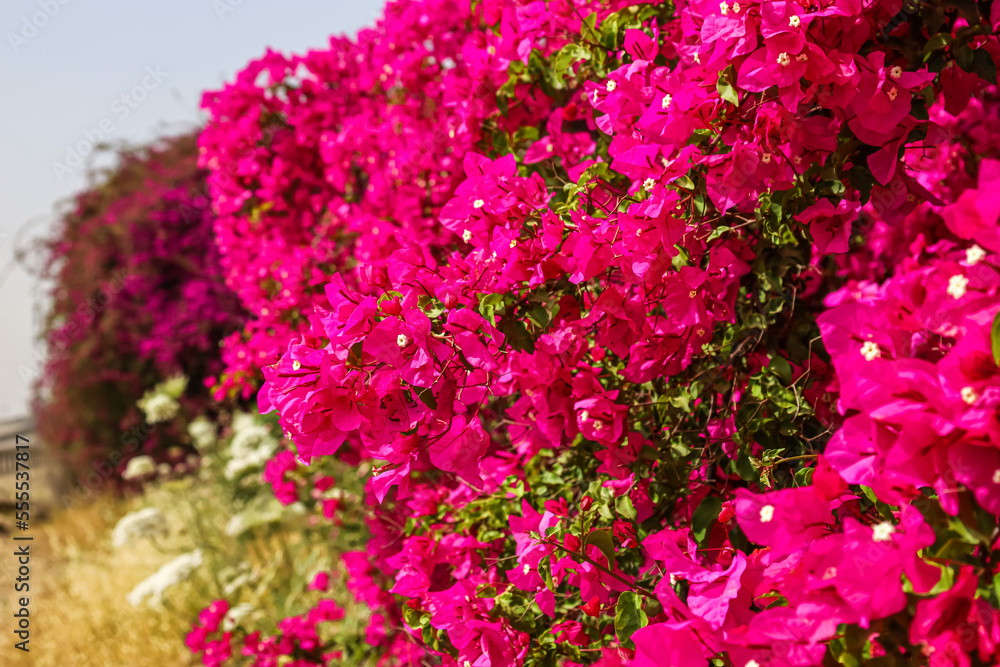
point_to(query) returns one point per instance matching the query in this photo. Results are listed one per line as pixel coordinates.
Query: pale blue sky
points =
(65, 66)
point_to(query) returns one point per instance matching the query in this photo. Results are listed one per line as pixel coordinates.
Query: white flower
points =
(794, 21)
(697, 58)
(870, 350)
(584, 416)
(896, 72)
(174, 572)
(893, 94)
(752, 663)
(648, 184)
(974, 255)
(882, 532)
(766, 513)
(202, 433)
(957, 286)
(234, 615)
(784, 59)
(137, 467)
(467, 236)
(158, 407)
(402, 340)
(736, 8)
(969, 395)
(665, 102)
(724, 8)
(996, 476)
(610, 86)
(802, 57)
(296, 365)
(830, 573)
(479, 203)
(765, 158)
(148, 522)
(251, 447)
(598, 425)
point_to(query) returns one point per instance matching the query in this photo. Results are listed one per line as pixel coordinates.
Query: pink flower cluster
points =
(587, 362)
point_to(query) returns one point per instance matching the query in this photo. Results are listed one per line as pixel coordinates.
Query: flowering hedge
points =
(136, 298)
(670, 329)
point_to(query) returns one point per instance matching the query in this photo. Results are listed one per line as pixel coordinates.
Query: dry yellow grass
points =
(79, 616)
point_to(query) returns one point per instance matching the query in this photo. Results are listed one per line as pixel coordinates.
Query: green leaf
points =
(625, 508)
(629, 617)
(703, 518)
(726, 90)
(602, 540)
(995, 338)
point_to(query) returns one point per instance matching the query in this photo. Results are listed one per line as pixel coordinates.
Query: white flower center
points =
(296, 365)
(402, 340)
(969, 395)
(996, 476)
(830, 573)
(584, 416)
(794, 21)
(766, 158)
(478, 204)
(736, 8)
(667, 99)
(527, 568)
(870, 350)
(611, 85)
(957, 286)
(513, 243)
(882, 532)
(752, 663)
(697, 58)
(648, 184)
(893, 94)
(974, 255)
(896, 72)
(598, 425)
(724, 8)
(784, 59)
(766, 513)
(466, 235)
(802, 57)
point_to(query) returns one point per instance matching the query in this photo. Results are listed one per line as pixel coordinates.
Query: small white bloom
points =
(550, 148)
(784, 59)
(893, 94)
(882, 532)
(648, 184)
(794, 21)
(766, 513)
(137, 467)
(402, 340)
(513, 243)
(202, 433)
(802, 57)
(598, 425)
(957, 286)
(665, 102)
(724, 8)
(736, 8)
(479, 203)
(896, 72)
(697, 58)
(526, 569)
(584, 416)
(610, 86)
(234, 615)
(158, 407)
(148, 522)
(870, 350)
(974, 255)
(174, 572)
(830, 573)
(752, 663)
(969, 395)
(996, 476)
(296, 365)
(467, 236)
(766, 158)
